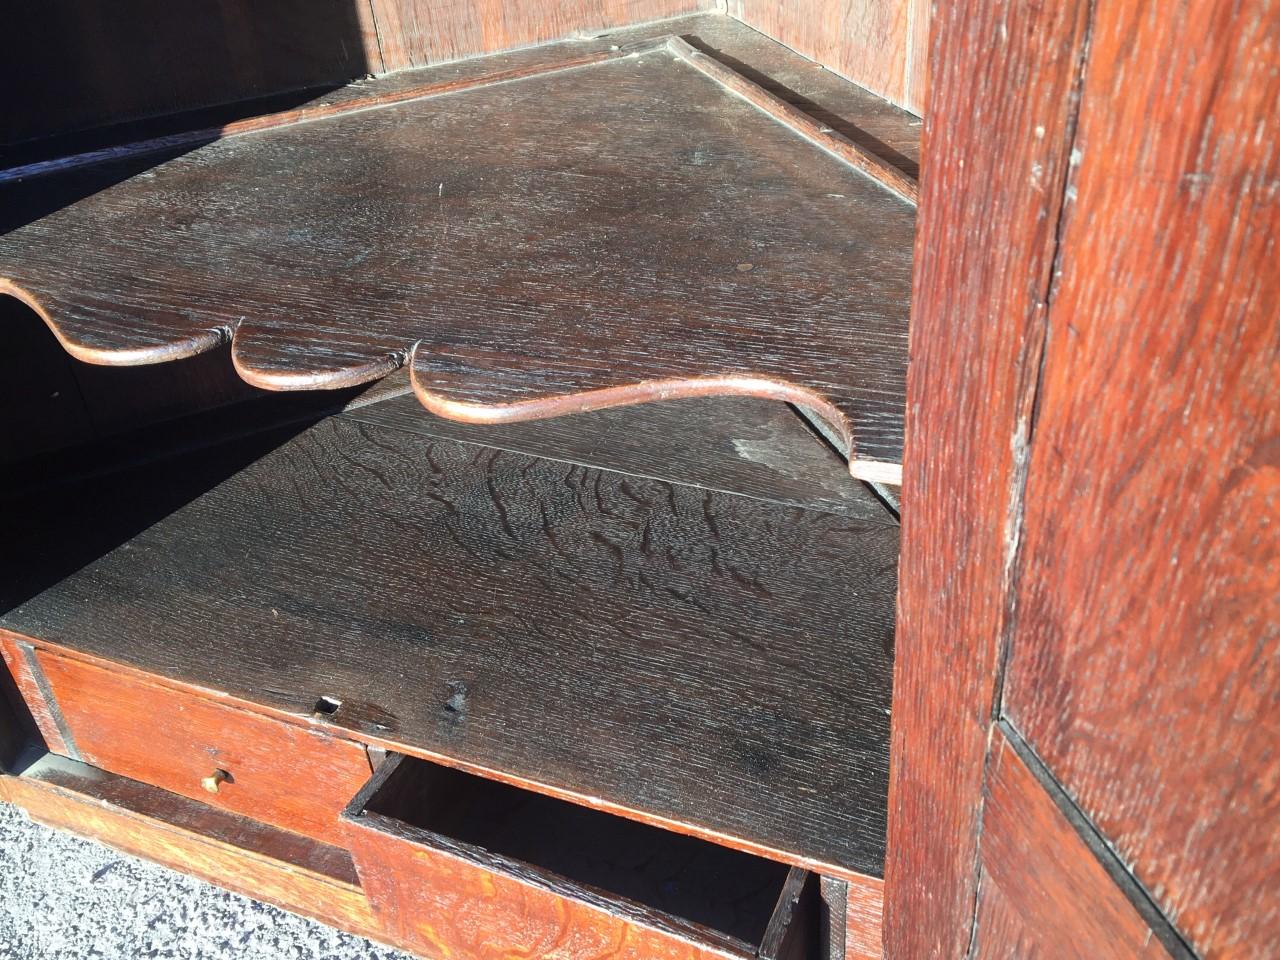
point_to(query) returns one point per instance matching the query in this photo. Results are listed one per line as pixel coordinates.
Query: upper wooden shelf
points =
(576, 227)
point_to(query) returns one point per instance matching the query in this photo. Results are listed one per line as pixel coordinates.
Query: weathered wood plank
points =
(237, 853)
(718, 663)
(864, 40)
(1145, 669)
(998, 139)
(294, 776)
(1043, 893)
(756, 448)
(649, 254)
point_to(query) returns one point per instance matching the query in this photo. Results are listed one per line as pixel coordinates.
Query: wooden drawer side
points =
(459, 866)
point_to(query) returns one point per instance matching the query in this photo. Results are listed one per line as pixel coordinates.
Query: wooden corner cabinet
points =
(654, 480)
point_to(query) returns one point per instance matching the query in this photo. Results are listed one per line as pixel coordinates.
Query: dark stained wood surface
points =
(815, 130)
(998, 142)
(1043, 892)
(715, 662)
(1145, 669)
(742, 445)
(664, 248)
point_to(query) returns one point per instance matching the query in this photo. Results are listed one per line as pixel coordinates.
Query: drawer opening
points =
(685, 878)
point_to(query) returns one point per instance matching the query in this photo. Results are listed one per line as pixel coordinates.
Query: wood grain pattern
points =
(270, 865)
(864, 40)
(1043, 892)
(95, 66)
(675, 260)
(740, 445)
(792, 933)
(919, 42)
(1146, 664)
(829, 139)
(711, 661)
(418, 33)
(282, 774)
(864, 924)
(461, 866)
(444, 905)
(998, 141)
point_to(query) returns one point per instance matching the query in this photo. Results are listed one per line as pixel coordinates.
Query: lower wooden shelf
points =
(716, 663)
(520, 605)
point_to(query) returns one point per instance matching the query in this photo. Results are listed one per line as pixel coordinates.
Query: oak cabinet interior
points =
(609, 623)
(440, 850)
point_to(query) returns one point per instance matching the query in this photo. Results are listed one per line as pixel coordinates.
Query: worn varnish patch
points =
(565, 241)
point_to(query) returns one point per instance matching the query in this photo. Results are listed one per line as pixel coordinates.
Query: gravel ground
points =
(71, 899)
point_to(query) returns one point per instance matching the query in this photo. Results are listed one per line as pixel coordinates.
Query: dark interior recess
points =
(726, 890)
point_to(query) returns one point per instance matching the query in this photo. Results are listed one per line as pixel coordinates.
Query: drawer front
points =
(462, 867)
(450, 906)
(274, 772)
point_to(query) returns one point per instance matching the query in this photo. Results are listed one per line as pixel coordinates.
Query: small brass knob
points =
(215, 780)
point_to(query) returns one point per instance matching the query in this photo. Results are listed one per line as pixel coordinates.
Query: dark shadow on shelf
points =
(51, 530)
(86, 459)
(98, 76)
(79, 66)
(91, 456)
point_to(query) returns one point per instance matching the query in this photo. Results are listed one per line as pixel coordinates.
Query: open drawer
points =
(456, 865)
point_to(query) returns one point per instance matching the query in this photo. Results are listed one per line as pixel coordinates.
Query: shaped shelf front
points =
(623, 225)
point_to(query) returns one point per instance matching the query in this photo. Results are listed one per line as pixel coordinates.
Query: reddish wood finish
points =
(864, 40)
(444, 906)
(19, 661)
(1146, 664)
(452, 898)
(919, 42)
(229, 851)
(1043, 892)
(997, 139)
(418, 33)
(864, 923)
(282, 774)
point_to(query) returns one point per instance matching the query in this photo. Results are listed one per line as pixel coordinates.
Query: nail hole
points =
(327, 706)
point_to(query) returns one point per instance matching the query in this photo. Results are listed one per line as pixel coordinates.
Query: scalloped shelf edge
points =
(465, 411)
(741, 383)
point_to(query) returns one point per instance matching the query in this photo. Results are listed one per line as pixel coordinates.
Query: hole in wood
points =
(327, 706)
